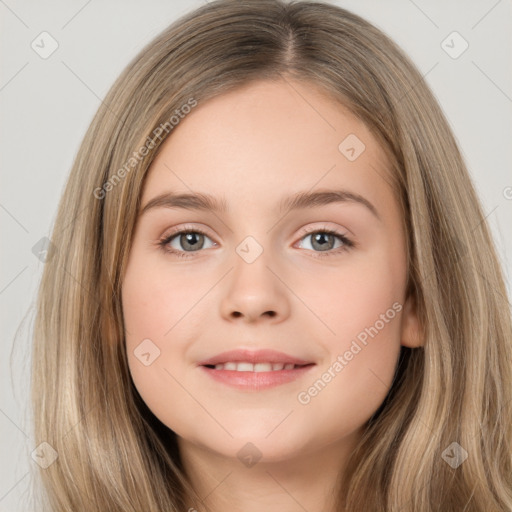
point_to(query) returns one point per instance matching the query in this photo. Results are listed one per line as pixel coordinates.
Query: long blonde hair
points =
(113, 453)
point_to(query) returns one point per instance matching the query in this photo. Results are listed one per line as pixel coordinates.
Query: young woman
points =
(275, 288)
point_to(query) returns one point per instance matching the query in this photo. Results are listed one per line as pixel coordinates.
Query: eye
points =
(191, 240)
(325, 239)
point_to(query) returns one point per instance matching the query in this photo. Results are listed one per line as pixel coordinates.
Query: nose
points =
(254, 291)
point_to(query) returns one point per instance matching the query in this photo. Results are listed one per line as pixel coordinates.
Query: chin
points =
(259, 447)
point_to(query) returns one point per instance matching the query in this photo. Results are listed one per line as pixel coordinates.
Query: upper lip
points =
(253, 356)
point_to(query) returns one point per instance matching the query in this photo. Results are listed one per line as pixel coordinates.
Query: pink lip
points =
(255, 381)
(253, 356)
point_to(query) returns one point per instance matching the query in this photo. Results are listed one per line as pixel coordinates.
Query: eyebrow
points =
(300, 200)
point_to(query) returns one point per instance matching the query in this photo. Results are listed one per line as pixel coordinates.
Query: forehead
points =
(267, 138)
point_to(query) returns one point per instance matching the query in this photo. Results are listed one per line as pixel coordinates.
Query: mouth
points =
(248, 370)
(257, 367)
(245, 357)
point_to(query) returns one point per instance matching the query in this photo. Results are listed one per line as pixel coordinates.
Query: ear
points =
(411, 335)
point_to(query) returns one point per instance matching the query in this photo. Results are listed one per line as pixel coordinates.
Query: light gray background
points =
(47, 104)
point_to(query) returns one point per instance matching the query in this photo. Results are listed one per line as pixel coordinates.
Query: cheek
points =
(351, 299)
(362, 308)
(357, 372)
(158, 309)
(156, 300)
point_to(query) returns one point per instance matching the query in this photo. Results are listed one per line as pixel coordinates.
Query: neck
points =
(307, 481)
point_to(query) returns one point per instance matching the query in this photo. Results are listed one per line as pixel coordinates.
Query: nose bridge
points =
(251, 248)
(251, 262)
(252, 230)
(253, 288)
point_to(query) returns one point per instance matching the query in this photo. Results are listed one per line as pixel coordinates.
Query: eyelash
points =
(347, 243)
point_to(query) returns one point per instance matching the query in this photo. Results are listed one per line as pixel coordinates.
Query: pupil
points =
(317, 239)
(191, 240)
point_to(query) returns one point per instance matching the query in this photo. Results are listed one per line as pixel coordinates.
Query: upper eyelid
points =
(303, 230)
(185, 229)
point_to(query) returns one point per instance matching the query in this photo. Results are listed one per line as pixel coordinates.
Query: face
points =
(321, 282)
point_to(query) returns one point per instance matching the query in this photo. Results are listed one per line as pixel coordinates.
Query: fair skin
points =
(251, 148)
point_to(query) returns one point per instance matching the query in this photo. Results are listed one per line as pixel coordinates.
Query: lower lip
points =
(256, 381)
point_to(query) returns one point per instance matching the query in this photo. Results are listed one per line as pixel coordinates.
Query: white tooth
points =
(262, 367)
(250, 367)
(244, 367)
